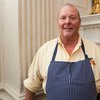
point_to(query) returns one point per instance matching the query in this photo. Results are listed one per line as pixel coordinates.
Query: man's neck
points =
(70, 43)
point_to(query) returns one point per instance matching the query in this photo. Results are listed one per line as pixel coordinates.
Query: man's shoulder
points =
(90, 44)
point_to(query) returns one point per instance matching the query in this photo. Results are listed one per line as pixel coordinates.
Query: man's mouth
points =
(68, 29)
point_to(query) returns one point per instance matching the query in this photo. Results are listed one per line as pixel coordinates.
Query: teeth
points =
(68, 28)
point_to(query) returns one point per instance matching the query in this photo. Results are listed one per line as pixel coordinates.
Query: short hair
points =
(69, 4)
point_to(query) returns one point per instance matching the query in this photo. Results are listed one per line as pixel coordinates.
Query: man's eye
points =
(72, 18)
(62, 18)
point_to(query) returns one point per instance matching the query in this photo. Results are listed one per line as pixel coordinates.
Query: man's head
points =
(68, 21)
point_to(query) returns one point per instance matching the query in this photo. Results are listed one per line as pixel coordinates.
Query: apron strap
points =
(83, 48)
(55, 51)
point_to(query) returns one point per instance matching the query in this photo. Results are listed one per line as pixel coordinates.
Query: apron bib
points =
(70, 80)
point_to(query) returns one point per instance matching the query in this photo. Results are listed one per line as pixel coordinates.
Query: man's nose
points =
(67, 20)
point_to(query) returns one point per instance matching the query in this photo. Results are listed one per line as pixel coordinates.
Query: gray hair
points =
(68, 4)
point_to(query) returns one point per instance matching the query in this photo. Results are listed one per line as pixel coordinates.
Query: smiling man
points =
(69, 24)
(68, 67)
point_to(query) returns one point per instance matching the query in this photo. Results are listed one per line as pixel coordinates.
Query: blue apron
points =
(70, 80)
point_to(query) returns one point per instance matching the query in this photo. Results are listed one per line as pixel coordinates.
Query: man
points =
(68, 67)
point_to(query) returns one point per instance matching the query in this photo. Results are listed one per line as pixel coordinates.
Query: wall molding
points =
(90, 20)
(16, 95)
(11, 92)
(90, 27)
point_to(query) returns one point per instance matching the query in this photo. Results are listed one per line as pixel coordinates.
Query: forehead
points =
(68, 10)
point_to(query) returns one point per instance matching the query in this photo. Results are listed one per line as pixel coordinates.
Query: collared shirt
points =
(38, 71)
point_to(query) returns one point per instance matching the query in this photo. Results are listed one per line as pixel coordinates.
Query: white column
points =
(36, 26)
(10, 75)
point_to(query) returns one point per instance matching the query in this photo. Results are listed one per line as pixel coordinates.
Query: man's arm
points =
(29, 95)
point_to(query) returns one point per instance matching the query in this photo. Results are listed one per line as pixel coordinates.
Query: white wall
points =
(10, 71)
(90, 27)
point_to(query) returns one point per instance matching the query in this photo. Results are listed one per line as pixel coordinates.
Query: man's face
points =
(68, 21)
